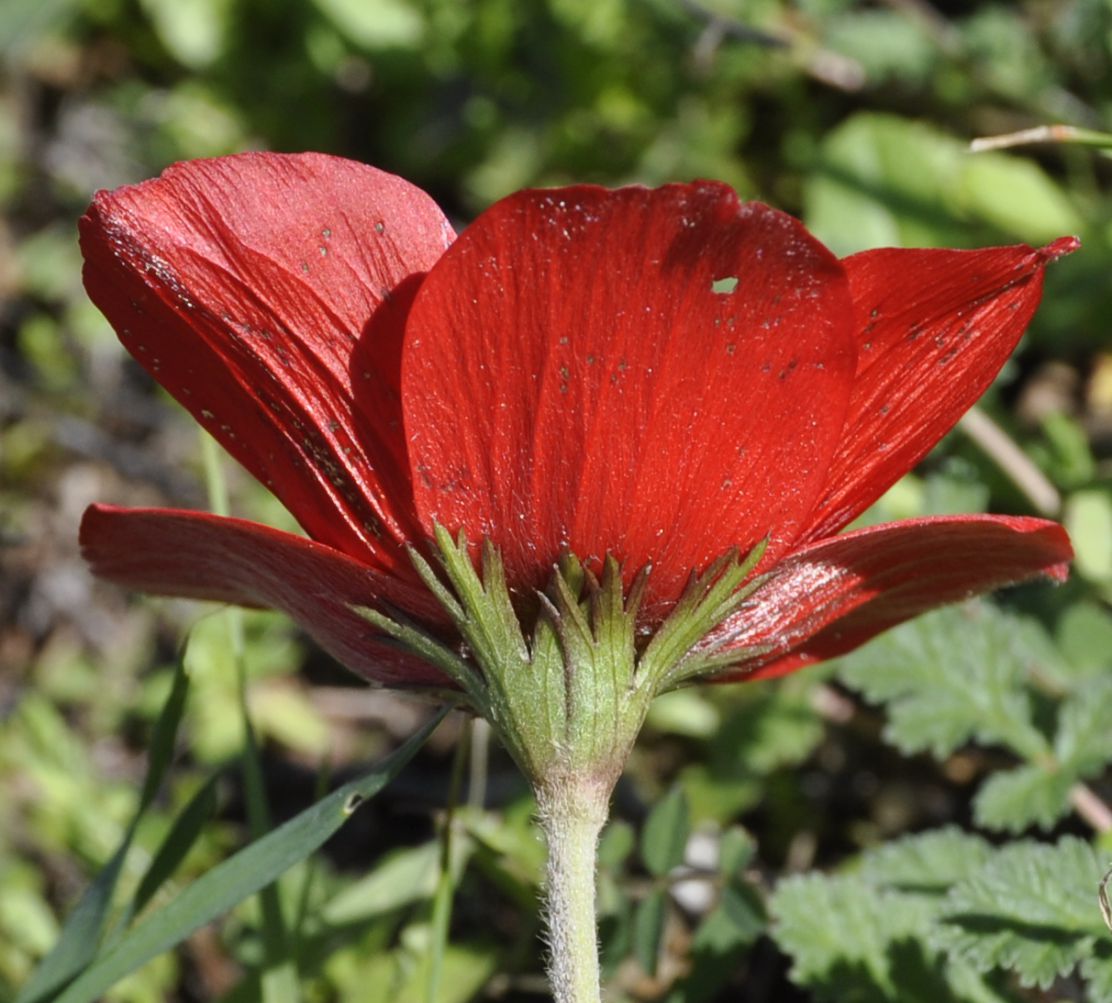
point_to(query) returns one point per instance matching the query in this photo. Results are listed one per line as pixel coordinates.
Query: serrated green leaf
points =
(1031, 909)
(238, 877)
(1083, 742)
(926, 864)
(839, 932)
(1013, 800)
(664, 836)
(852, 942)
(1097, 973)
(952, 676)
(648, 929)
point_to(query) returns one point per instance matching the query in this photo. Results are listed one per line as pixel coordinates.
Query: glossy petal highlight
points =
(656, 374)
(833, 596)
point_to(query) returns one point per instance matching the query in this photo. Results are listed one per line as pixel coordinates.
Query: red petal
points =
(571, 378)
(832, 596)
(200, 556)
(243, 285)
(935, 327)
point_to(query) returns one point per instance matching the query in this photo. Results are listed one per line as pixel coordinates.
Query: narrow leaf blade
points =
(82, 932)
(240, 876)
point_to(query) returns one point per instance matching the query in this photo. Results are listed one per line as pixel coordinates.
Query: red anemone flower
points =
(661, 375)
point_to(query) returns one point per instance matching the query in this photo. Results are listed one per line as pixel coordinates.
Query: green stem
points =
(572, 816)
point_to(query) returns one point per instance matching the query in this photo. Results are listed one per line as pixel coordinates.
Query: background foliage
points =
(925, 821)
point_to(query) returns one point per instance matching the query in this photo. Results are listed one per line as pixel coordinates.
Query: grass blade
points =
(238, 877)
(81, 935)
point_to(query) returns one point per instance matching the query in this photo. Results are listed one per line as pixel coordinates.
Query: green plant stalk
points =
(572, 815)
(441, 917)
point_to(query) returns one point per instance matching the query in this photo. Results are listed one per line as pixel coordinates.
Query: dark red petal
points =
(243, 285)
(934, 327)
(574, 374)
(200, 556)
(832, 596)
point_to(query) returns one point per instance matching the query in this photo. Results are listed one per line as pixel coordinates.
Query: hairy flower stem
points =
(568, 697)
(572, 816)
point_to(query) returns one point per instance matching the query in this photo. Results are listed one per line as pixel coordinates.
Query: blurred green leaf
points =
(1084, 636)
(736, 850)
(26, 22)
(617, 843)
(648, 929)
(887, 181)
(687, 712)
(396, 976)
(1088, 518)
(1012, 800)
(761, 730)
(1083, 742)
(193, 31)
(954, 675)
(720, 943)
(1071, 461)
(376, 24)
(403, 878)
(1097, 973)
(889, 44)
(664, 837)
(1016, 197)
(26, 920)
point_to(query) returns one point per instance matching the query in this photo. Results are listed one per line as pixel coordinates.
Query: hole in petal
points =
(725, 286)
(352, 803)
